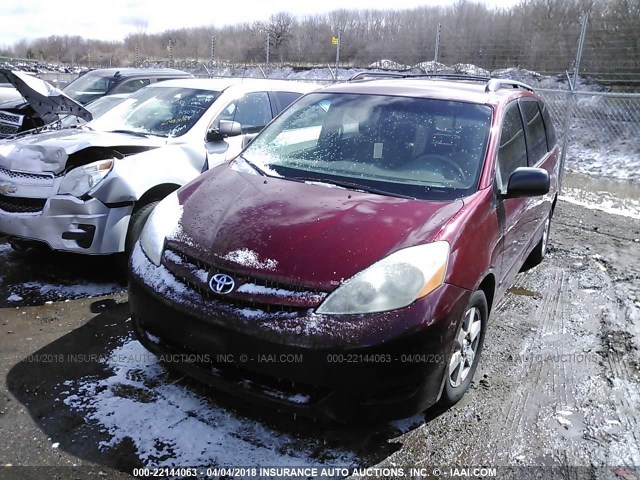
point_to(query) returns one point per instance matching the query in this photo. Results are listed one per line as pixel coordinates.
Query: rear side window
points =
(286, 98)
(548, 124)
(513, 150)
(131, 85)
(536, 136)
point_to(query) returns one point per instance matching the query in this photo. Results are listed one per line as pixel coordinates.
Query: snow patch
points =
(248, 258)
(14, 298)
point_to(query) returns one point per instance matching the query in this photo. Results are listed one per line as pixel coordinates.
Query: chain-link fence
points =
(599, 131)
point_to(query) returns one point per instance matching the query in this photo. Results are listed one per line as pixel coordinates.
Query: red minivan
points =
(345, 265)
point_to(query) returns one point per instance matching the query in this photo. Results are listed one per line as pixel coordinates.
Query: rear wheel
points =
(537, 254)
(466, 349)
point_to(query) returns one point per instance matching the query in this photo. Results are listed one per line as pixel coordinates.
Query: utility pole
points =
(170, 49)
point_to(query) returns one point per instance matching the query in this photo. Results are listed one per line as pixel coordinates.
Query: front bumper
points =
(70, 224)
(345, 368)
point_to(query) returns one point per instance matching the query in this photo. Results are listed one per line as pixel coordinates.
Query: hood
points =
(43, 97)
(50, 151)
(296, 233)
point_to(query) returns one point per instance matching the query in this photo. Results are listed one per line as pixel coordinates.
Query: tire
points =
(136, 224)
(138, 219)
(540, 250)
(467, 347)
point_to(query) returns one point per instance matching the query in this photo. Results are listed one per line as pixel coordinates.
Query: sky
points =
(115, 19)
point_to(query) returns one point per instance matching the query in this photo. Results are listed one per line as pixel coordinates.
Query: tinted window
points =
(513, 151)
(286, 98)
(548, 124)
(252, 111)
(536, 137)
(131, 85)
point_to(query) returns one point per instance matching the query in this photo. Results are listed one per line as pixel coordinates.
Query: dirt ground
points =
(557, 392)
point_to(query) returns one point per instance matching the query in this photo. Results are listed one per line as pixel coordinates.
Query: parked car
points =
(7, 91)
(344, 266)
(21, 114)
(89, 189)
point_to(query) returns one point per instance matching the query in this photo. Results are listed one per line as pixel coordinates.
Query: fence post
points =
(571, 97)
(213, 50)
(267, 53)
(338, 51)
(437, 52)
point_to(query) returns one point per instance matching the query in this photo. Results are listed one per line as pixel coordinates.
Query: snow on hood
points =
(43, 97)
(49, 151)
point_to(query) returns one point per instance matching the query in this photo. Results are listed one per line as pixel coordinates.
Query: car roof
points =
(462, 90)
(221, 84)
(139, 72)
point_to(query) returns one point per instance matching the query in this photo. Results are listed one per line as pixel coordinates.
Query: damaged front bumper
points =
(66, 223)
(346, 368)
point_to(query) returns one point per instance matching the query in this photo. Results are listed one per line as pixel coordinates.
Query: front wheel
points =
(136, 224)
(466, 350)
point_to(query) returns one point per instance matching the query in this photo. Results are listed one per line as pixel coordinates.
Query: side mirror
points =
(248, 139)
(527, 182)
(226, 128)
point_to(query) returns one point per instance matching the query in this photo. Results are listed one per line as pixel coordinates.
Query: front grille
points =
(8, 129)
(11, 118)
(251, 292)
(25, 175)
(21, 205)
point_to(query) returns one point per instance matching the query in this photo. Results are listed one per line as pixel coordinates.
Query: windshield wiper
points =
(130, 132)
(351, 185)
(251, 164)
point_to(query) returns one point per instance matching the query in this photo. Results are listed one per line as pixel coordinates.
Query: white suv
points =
(89, 189)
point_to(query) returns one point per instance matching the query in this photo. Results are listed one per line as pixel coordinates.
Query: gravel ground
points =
(557, 386)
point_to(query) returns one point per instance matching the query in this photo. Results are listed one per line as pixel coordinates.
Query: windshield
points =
(158, 110)
(409, 147)
(89, 86)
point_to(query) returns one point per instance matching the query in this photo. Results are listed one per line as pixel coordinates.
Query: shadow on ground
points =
(79, 367)
(35, 277)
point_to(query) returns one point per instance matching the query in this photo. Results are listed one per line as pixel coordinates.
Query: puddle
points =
(620, 197)
(524, 291)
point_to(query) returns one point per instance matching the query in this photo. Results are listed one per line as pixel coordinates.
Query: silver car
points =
(90, 189)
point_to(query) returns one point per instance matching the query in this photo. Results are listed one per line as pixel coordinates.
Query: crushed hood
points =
(297, 233)
(49, 151)
(43, 97)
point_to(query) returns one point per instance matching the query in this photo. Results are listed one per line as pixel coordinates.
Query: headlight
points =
(394, 282)
(82, 179)
(162, 222)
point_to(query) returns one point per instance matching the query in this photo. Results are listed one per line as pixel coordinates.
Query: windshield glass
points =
(414, 147)
(162, 111)
(89, 86)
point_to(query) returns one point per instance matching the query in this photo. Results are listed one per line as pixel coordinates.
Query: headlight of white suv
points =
(391, 283)
(162, 222)
(82, 179)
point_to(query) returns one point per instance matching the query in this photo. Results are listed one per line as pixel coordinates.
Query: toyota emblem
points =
(222, 283)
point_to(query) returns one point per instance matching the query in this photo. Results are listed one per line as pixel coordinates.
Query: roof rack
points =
(496, 84)
(492, 84)
(449, 76)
